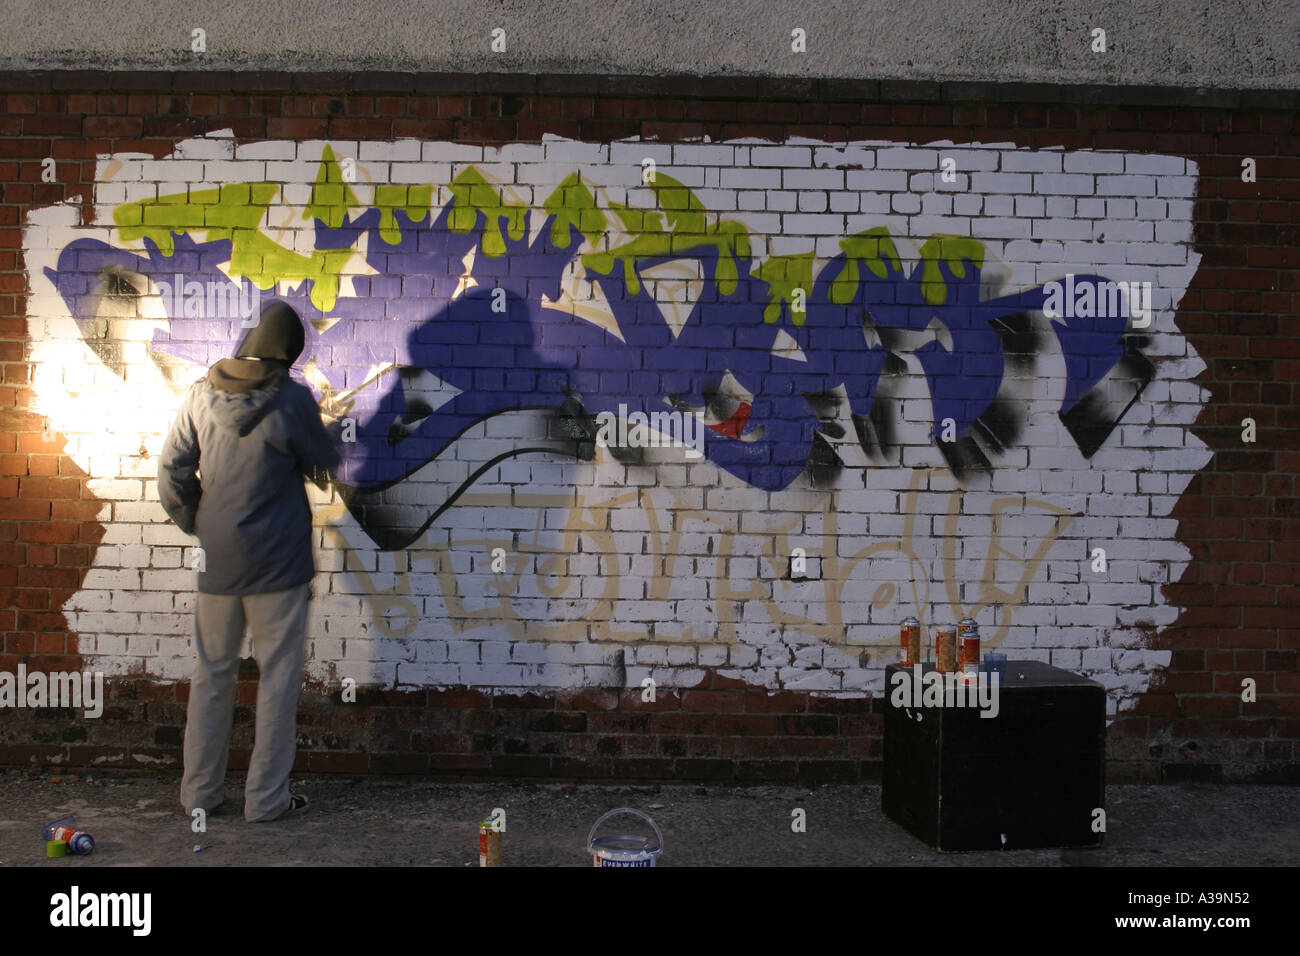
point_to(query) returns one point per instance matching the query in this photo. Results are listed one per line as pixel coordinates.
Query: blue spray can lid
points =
(81, 844)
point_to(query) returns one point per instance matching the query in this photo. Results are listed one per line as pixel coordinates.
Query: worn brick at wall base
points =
(723, 730)
(1237, 517)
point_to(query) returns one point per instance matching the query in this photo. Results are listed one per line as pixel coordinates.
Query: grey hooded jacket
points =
(254, 434)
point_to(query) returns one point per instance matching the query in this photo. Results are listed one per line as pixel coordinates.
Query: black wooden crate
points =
(1030, 777)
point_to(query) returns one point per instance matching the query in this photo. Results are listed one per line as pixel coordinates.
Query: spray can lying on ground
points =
(78, 842)
(47, 833)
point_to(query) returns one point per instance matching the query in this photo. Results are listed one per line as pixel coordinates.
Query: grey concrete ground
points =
(1189, 43)
(137, 821)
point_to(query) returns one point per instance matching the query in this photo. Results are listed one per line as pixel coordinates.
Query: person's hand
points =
(335, 406)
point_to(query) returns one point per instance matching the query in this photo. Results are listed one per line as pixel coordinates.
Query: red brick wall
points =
(1238, 516)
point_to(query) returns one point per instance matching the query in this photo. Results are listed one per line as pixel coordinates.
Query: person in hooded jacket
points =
(231, 472)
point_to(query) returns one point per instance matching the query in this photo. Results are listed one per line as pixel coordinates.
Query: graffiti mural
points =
(902, 400)
(495, 348)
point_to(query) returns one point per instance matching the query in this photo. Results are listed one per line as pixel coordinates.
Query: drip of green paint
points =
(871, 248)
(954, 250)
(688, 230)
(572, 204)
(472, 194)
(331, 196)
(785, 274)
(412, 200)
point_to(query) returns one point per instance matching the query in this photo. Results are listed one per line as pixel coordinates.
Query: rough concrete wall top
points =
(1236, 44)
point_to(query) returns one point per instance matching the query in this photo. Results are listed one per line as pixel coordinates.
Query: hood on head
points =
(278, 335)
(240, 391)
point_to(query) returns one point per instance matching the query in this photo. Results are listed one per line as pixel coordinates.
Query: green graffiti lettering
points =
(688, 230)
(234, 212)
(331, 196)
(680, 226)
(471, 195)
(572, 204)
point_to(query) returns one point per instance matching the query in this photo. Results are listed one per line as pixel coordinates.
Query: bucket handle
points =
(595, 826)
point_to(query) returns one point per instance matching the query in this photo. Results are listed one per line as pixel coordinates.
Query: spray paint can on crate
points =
(624, 849)
(968, 650)
(909, 636)
(945, 649)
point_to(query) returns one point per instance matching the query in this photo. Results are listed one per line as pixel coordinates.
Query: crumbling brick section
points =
(724, 731)
(1237, 517)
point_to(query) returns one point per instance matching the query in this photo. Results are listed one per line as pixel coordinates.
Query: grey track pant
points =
(277, 623)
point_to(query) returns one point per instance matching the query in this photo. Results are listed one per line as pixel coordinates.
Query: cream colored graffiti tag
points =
(565, 578)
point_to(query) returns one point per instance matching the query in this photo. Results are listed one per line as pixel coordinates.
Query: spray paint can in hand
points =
(78, 842)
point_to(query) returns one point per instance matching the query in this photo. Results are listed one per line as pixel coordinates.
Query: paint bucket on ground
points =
(624, 849)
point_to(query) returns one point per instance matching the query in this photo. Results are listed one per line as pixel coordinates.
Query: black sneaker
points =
(298, 803)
